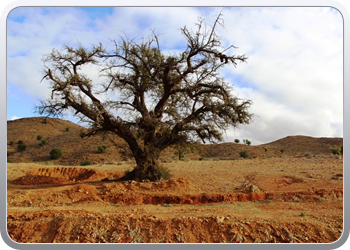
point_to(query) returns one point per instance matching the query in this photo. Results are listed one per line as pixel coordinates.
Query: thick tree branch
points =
(165, 99)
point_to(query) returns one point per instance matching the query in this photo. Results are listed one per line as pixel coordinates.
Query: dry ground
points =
(278, 199)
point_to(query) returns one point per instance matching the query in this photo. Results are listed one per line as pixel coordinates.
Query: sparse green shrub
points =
(39, 137)
(247, 142)
(236, 140)
(244, 154)
(20, 142)
(164, 172)
(303, 213)
(336, 150)
(101, 149)
(9, 161)
(56, 153)
(21, 147)
(11, 142)
(282, 150)
(45, 121)
(43, 142)
(67, 129)
(182, 149)
(85, 163)
(266, 149)
(201, 159)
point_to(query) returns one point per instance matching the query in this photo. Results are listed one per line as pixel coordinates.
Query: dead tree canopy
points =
(149, 98)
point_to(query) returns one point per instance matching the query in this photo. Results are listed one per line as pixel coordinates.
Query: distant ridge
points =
(76, 149)
(305, 144)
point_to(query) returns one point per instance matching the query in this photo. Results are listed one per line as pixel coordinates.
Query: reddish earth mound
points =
(59, 175)
(55, 176)
(59, 226)
(183, 199)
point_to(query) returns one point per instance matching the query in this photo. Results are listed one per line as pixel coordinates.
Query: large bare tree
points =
(150, 99)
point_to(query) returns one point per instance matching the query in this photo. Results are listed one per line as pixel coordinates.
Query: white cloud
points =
(294, 73)
(15, 118)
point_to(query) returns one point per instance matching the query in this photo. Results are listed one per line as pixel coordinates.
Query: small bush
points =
(102, 149)
(336, 150)
(56, 153)
(303, 213)
(20, 142)
(21, 147)
(85, 163)
(244, 154)
(67, 129)
(201, 159)
(45, 121)
(11, 142)
(9, 161)
(39, 137)
(236, 140)
(248, 142)
(266, 149)
(164, 172)
(43, 142)
(282, 151)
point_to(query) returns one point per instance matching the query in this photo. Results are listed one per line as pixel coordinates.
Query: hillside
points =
(292, 145)
(76, 149)
(304, 144)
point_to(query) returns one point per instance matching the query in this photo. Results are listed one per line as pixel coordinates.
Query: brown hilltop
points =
(300, 144)
(76, 149)
(292, 145)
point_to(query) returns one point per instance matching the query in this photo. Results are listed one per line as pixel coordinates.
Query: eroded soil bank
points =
(284, 199)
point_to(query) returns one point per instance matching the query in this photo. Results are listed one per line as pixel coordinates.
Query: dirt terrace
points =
(281, 199)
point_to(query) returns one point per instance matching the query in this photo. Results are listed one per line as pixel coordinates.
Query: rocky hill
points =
(58, 134)
(66, 136)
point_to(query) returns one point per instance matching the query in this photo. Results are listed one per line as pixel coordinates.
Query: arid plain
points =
(294, 195)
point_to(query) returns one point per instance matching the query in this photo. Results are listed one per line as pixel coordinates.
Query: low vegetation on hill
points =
(32, 140)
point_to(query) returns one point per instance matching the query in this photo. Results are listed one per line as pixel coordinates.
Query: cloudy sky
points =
(294, 74)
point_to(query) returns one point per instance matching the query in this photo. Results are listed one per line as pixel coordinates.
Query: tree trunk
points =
(146, 169)
(181, 154)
